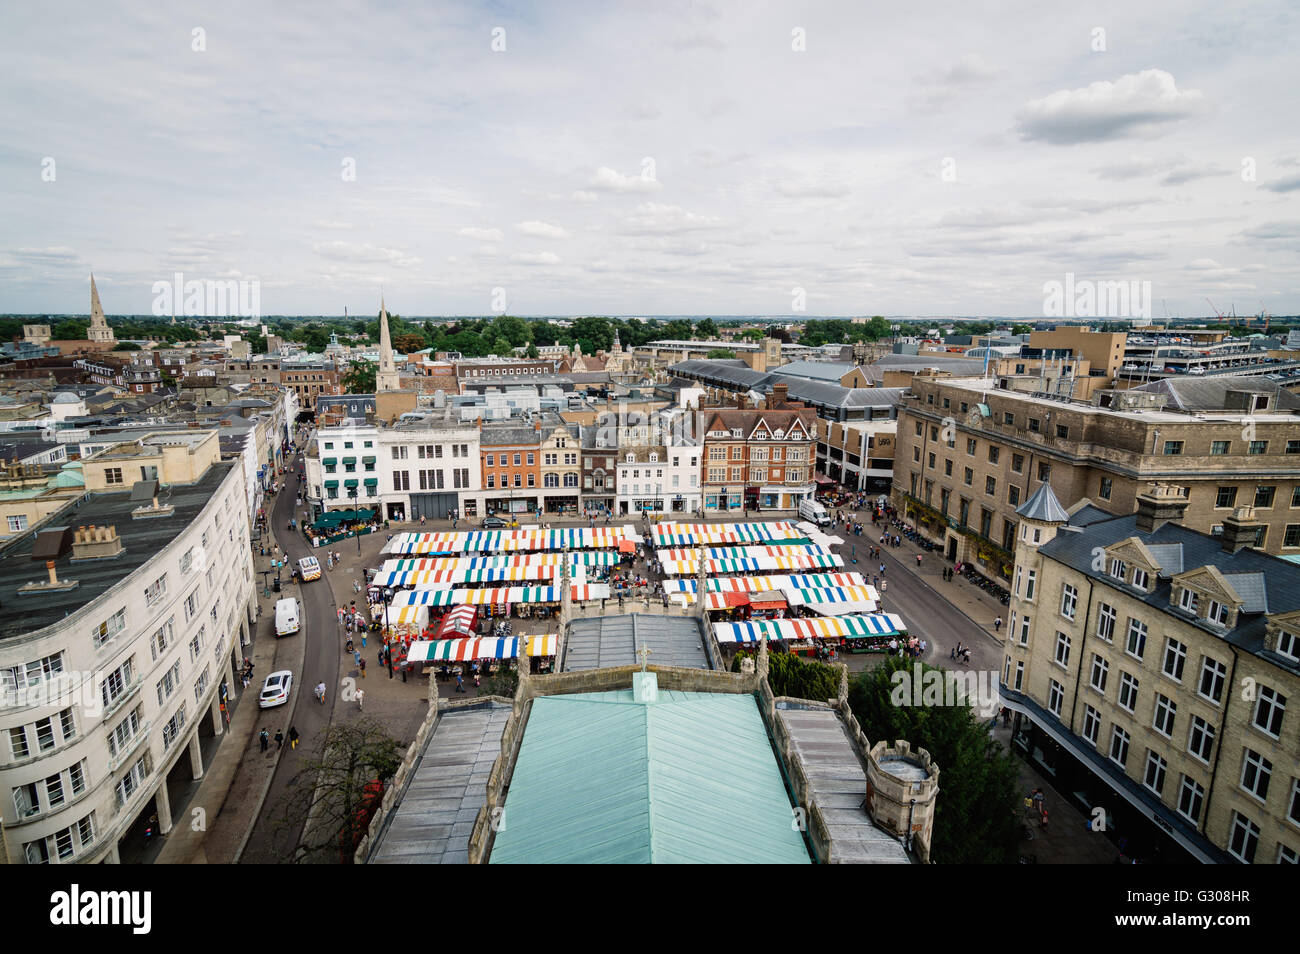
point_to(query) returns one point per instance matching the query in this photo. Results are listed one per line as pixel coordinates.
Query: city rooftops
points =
(141, 540)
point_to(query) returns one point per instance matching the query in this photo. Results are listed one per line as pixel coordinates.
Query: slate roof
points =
(1208, 393)
(1043, 505)
(1249, 567)
(614, 640)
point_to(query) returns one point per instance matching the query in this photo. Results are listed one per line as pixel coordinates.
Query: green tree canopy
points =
(976, 817)
(359, 377)
(594, 334)
(706, 329)
(679, 329)
(717, 353)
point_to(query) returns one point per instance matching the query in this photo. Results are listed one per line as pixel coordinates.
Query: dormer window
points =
(1288, 644)
(630, 458)
(737, 433)
(1218, 613)
(1140, 579)
(1117, 569)
(1187, 601)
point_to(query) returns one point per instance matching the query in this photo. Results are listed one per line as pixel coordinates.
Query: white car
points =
(275, 691)
(309, 569)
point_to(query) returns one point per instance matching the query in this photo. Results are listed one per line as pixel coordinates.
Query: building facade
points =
(114, 671)
(1149, 667)
(760, 459)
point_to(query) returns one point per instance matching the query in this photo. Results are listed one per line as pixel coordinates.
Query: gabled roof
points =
(1044, 506)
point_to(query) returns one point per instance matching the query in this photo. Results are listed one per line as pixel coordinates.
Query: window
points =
(1256, 771)
(1190, 799)
(1166, 709)
(1100, 669)
(990, 485)
(31, 674)
(161, 639)
(1245, 837)
(993, 454)
(530, 459)
(1293, 811)
(1264, 497)
(1013, 495)
(112, 475)
(1140, 578)
(968, 476)
(1119, 741)
(1033, 424)
(1213, 675)
(18, 523)
(1173, 448)
(1218, 613)
(133, 780)
(1063, 650)
(1128, 691)
(1069, 601)
(947, 468)
(168, 683)
(173, 727)
(1062, 431)
(1024, 630)
(18, 742)
(1091, 724)
(971, 446)
(1137, 638)
(1269, 708)
(1200, 739)
(1017, 463)
(1219, 448)
(1175, 656)
(1106, 616)
(155, 590)
(1055, 696)
(196, 643)
(109, 629)
(1291, 537)
(68, 725)
(1044, 471)
(1257, 447)
(1104, 490)
(1154, 777)
(1020, 676)
(1030, 577)
(191, 605)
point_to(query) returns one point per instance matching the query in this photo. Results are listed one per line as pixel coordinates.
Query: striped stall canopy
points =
(429, 597)
(796, 596)
(509, 574)
(691, 554)
(750, 564)
(541, 645)
(510, 541)
(706, 534)
(830, 627)
(759, 584)
(464, 650)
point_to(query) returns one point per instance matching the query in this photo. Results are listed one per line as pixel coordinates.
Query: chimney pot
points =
(49, 566)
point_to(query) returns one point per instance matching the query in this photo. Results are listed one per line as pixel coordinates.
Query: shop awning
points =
(351, 482)
(349, 460)
(626, 546)
(824, 481)
(541, 645)
(881, 624)
(329, 461)
(331, 483)
(439, 597)
(368, 460)
(372, 481)
(766, 602)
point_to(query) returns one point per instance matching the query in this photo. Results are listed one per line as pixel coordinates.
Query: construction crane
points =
(1216, 311)
(1263, 313)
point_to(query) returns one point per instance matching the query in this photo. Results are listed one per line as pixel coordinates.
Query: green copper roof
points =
(690, 778)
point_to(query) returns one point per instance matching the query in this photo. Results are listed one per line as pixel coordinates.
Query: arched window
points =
(570, 480)
(550, 480)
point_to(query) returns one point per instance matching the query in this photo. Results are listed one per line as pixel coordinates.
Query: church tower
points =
(98, 332)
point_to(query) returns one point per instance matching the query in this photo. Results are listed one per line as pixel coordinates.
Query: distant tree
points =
(256, 344)
(594, 334)
(976, 818)
(721, 353)
(409, 341)
(706, 329)
(788, 675)
(502, 348)
(70, 330)
(679, 329)
(515, 330)
(1021, 329)
(359, 377)
(781, 335)
(752, 334)
(544, 333)
(315, 338)
(126, 346)
(533, 352)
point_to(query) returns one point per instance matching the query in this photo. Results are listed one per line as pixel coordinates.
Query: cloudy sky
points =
(651, 158)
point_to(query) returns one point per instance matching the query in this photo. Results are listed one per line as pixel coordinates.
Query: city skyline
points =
(696, 160)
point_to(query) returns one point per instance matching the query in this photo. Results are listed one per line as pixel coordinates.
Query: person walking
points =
(293, 737)
(362, 666)
(460, 683)
(997, 624)
(279, 739)
(361, 698)
(918, 561)
(265, 738)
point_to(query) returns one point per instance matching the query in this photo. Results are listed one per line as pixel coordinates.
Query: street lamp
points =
(352, 494)
(387, 594)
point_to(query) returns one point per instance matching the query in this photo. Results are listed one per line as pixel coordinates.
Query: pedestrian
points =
(460, 683)
(918, 561)
(265, 738)
(1040, 801)
(997, 624)
(293, 737)
(361, 698)
(279, 740)
(361, 663)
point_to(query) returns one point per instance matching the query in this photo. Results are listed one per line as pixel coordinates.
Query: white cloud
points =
(536, 258)
(1135, 104)
(543, 230)
(364, 252)
(657, 218)
(482, 235)
(609, 180)
(581, 195)
(1285, 184)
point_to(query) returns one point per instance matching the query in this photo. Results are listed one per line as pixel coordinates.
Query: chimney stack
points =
(779, 397)
(1159, 505)
(54, 577)
(1240, 530)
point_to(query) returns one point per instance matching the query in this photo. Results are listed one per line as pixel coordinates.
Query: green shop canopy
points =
(349, 460)
(368, 460)
(372, 481)
(329, 461)
(351, 482)
(331, 483)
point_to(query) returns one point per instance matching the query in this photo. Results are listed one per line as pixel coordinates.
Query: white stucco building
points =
(124, 618)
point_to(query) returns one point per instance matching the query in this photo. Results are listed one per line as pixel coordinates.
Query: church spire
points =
(387, 378)
(99, 331)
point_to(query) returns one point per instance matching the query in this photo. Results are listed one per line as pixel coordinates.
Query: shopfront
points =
(724, 500)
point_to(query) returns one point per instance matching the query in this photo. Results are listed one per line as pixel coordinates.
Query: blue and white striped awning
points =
(830, 627)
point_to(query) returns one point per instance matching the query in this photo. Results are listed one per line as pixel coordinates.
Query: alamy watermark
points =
(207, 298)
(1089, 299)
(927, 686)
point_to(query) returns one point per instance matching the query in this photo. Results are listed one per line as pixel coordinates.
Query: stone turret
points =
(902, 786)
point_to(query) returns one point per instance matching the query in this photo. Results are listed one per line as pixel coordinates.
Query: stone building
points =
(1149, 666)
(969, 453)
(757, 458)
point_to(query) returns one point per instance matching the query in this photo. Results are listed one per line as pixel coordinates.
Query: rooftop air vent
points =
(147, 490)
(53, 585)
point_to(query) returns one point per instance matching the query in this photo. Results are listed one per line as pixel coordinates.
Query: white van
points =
(286, 617)
(811, 510)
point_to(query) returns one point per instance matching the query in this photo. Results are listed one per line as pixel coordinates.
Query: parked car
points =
(275, 691)
(493, 523)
